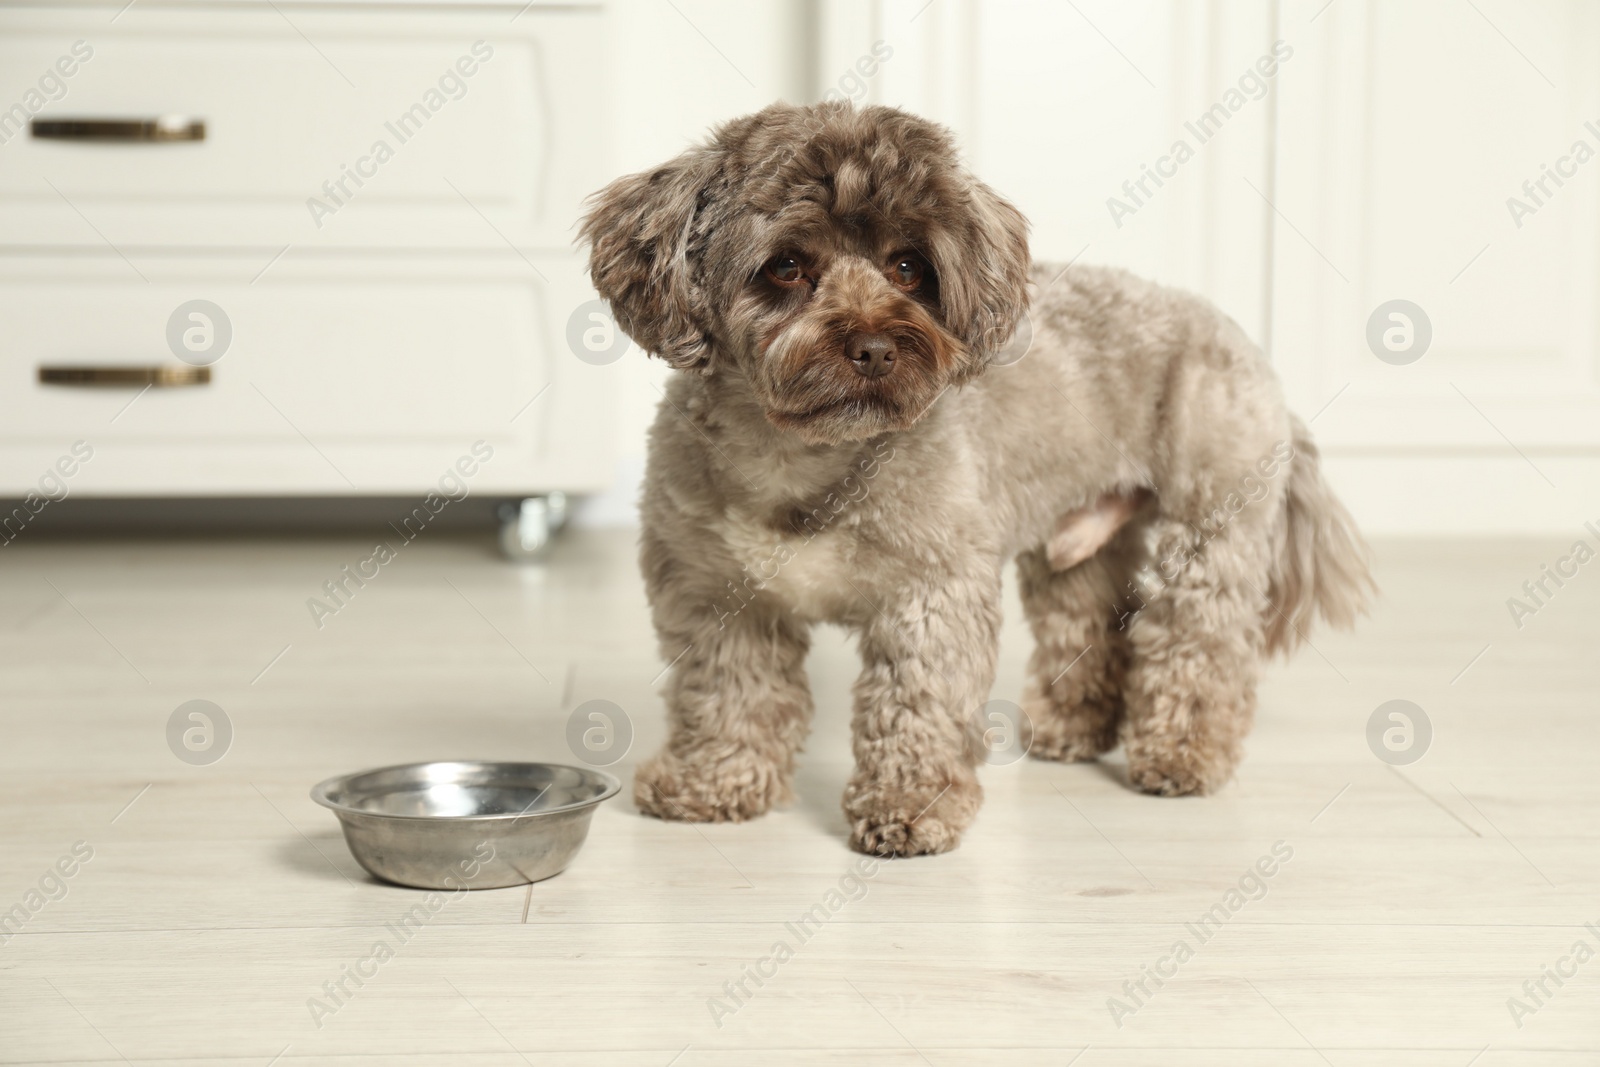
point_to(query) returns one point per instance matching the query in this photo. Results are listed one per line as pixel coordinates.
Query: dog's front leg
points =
(928, 661)
(738, 708)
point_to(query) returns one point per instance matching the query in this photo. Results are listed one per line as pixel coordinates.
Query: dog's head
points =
(840, 260)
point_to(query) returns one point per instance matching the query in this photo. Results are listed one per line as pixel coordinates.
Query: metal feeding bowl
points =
(466, 825)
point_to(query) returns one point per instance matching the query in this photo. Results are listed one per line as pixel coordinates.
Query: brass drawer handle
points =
(163, 129)
(161, 376)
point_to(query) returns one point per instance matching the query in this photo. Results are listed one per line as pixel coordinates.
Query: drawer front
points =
(374, 126)
(343, 373)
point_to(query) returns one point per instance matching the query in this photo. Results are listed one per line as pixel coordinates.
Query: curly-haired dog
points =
(834, 288)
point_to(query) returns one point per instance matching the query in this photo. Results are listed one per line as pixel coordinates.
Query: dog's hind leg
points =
(1196, 649)
(1075, 675)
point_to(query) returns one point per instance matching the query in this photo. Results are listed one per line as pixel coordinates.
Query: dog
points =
(859, 434)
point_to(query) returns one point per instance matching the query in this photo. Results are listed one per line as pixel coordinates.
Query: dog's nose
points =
(872, 353)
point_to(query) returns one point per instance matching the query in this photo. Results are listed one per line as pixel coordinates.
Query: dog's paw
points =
(733, 789)
(1179, 771)
(910, 821)
(1069, 737)
(1070, 748)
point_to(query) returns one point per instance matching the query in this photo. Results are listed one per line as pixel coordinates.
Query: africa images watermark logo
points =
(1255, 82)
(851, 887)
(1149, 585)
(599, 732)
(199, 332)
(453, 485)
(1537, 192)
(1399, 332)
(1537, 592)
(807, 523)
(51, 87)
(199, 732)
(1399, 732)
(1536, 992)
(452, 85)
(1251, 887)
(353, 976)
(51, 886)
(52, 486)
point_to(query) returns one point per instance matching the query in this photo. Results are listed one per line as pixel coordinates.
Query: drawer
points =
(344, 373)
(365, 125)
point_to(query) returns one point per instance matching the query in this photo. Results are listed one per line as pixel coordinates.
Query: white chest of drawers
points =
(381, 205)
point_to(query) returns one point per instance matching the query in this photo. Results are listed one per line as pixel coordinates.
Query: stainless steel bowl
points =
(466, 825)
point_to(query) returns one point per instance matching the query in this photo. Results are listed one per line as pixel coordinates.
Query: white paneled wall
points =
(1404, 136)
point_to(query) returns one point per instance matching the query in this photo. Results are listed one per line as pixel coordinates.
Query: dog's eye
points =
(785, 269)
(906, 272)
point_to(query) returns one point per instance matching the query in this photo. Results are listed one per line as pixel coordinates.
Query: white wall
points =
(1404, 133)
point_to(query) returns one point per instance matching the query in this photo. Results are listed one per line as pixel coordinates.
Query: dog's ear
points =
(986, 292)
(639, 230)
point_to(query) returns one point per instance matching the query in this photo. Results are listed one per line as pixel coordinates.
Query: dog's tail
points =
(1322, 562)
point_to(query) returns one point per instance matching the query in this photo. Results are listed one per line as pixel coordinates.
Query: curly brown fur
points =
(835, 284)
(1080, 655)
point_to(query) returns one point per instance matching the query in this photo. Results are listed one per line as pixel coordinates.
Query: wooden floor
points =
(218, 900)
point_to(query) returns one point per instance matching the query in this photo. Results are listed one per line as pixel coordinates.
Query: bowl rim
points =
(320, 791)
